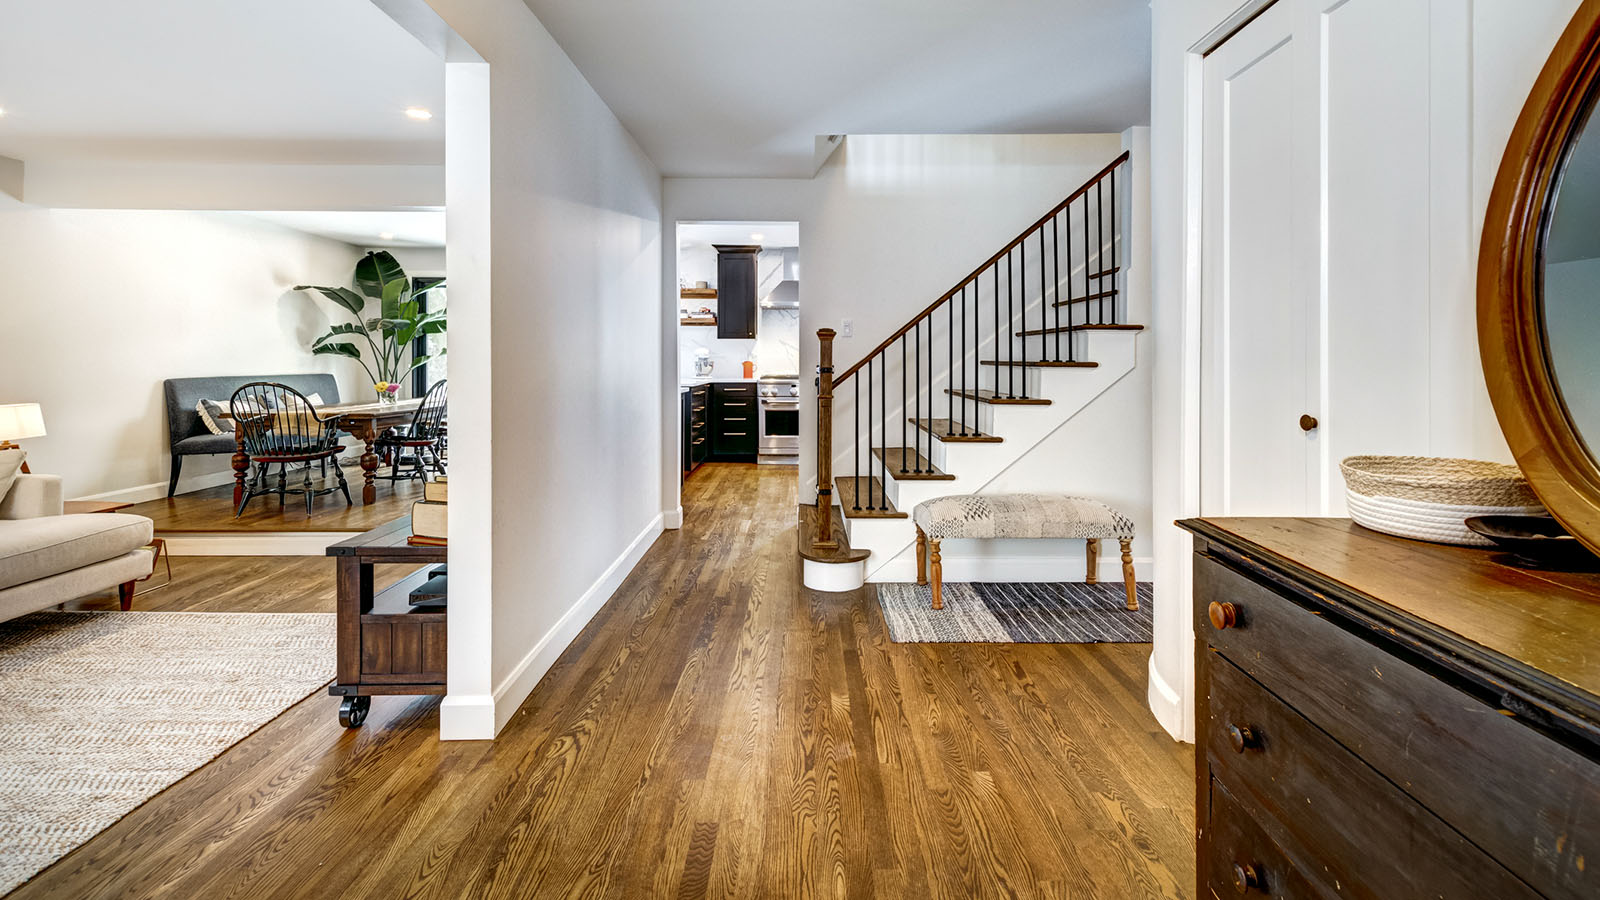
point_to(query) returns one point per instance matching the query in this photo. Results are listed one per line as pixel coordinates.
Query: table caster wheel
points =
(353, 711)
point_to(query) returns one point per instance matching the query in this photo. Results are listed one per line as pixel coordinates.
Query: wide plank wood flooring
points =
(716, 731)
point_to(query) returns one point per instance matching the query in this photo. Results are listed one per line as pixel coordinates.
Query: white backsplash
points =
(776, 347)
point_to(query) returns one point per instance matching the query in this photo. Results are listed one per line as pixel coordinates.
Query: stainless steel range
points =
(780, 417)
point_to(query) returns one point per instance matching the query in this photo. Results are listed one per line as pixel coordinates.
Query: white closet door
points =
(1256, 307)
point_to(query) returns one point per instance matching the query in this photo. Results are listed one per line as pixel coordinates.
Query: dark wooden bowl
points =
(1539, 539)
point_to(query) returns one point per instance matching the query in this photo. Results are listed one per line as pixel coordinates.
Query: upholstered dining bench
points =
(967, 516)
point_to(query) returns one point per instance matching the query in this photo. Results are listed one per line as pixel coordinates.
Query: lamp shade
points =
(20, 421)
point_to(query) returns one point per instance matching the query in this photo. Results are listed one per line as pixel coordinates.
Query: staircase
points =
(968, 387)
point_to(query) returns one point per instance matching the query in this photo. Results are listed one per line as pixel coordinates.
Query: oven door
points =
(780, 426)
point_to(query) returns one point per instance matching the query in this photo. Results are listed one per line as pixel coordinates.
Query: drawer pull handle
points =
(1243, 737)
(1245, 878)
(1223, 615)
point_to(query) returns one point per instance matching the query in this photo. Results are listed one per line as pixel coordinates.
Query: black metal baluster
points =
(869, 433)
(1100, 246)
(917, 398)
(856, 412)
(1044, 350)
(1011, 322)
(1022, 281)
(1114, 317)
(1055, 246)
(883, 466)
(1086, 270)
(903, 404)
(966, 387)
(997, 356)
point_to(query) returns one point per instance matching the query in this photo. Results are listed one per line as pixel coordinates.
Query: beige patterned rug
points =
(99, 711)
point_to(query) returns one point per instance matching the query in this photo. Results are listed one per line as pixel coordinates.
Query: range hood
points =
(785, 295)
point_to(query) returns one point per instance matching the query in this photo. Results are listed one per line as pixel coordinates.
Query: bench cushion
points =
(1020, 516)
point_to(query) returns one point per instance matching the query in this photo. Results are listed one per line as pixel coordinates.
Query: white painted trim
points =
(157, 490)
(833, 577)
(672, 519)
(516, 687)
(467, 717)
(903, 568)
(1168, 706)
(259, 543)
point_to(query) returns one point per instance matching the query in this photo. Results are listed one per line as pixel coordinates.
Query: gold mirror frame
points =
(1551, 453)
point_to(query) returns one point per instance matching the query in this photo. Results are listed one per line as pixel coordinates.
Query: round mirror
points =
(1569, 302)
(1539, 284)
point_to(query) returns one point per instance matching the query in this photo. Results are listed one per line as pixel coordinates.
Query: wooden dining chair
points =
(422, 437)
(278, 426)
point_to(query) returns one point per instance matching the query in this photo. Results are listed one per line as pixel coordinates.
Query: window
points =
(436, 369)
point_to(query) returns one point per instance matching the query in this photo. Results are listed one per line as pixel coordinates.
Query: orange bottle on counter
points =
(749, 369)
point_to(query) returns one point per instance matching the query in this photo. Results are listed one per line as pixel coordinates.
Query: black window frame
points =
(419, 344)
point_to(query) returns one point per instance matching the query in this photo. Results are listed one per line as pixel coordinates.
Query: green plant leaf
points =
(335, 331)
(349, 350)
(391, 298)
(375, 271)
(345, 297)
(435, 326)
(437, 284)
(421, 361)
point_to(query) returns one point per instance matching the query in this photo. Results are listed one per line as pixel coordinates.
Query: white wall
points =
(555, 346)
(1477, 63)
(101, 305)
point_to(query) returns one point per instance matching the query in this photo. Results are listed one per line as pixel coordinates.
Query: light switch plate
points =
(847, 328)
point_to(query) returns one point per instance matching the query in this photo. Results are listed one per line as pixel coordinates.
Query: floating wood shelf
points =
(698, 320)
(697, 293)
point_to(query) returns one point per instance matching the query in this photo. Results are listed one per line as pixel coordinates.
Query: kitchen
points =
(739, 343)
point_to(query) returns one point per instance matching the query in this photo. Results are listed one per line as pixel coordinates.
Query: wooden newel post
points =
(824, 513)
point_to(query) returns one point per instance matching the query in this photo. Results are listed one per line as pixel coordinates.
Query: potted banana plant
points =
(379, 279)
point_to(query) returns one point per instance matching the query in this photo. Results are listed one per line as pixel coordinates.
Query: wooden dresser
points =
(1383, 718)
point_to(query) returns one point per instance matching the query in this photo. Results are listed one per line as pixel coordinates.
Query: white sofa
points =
(48, 558)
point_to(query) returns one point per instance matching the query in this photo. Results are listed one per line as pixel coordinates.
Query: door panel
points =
(1253, 383)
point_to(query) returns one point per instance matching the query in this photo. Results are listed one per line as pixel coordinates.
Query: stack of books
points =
(430, 516)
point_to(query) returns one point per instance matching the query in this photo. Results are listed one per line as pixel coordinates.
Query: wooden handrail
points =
(1082, 190)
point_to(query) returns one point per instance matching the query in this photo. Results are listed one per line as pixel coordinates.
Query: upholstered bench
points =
(1019, 516)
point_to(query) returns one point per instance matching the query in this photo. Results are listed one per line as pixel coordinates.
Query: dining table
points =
(364, 421)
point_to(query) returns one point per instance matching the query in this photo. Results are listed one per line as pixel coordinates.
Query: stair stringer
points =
(975, 466)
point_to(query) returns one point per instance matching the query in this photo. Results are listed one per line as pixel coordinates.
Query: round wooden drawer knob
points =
(1245, 878)
(1223, 615)
(1242, 738)
(1308, 423)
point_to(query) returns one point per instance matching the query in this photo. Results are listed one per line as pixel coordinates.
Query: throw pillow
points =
(10, 464)
(211, 415)
(315, 400)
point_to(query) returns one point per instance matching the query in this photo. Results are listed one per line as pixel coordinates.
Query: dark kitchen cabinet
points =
(735, 422)
(736, 290)
(696, 427)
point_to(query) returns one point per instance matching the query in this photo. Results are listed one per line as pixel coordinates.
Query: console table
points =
(385, 645)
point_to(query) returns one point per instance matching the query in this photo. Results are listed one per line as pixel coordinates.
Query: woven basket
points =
(1431, 499)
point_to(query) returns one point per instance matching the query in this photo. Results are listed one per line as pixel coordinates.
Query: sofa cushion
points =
(10, 464)
(31, 549)
(205, 443)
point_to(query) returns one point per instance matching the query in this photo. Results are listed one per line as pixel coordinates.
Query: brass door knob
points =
(1308, 422)
(1245, 877)
(1223, 614)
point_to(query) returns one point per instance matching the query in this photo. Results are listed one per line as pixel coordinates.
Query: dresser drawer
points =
(1242, 860)
(1342, 821)
(1534, 805)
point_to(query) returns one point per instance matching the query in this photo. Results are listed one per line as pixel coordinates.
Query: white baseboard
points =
(672, 519)
(903, 568)
(1166, 703)
(158, 489)
(466, 717)
(468, 724)
(259, 543)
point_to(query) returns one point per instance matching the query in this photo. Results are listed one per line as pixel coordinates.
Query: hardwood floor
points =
(717, 730)
(211, 509)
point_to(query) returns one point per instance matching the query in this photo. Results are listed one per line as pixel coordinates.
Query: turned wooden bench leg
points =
(922, 556)
(1127, 575)
(938, 575)
(1092, 554)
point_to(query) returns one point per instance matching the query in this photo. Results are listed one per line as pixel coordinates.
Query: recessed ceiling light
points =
(418, 113)
(758, 237)
(2, 111)
(385, 235)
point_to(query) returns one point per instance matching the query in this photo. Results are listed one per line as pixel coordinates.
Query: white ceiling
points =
(772, 234)
(323, 81)
(716, 88)
(408, 228)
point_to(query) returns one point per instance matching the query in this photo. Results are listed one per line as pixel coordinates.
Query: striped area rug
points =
(1028, 613)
